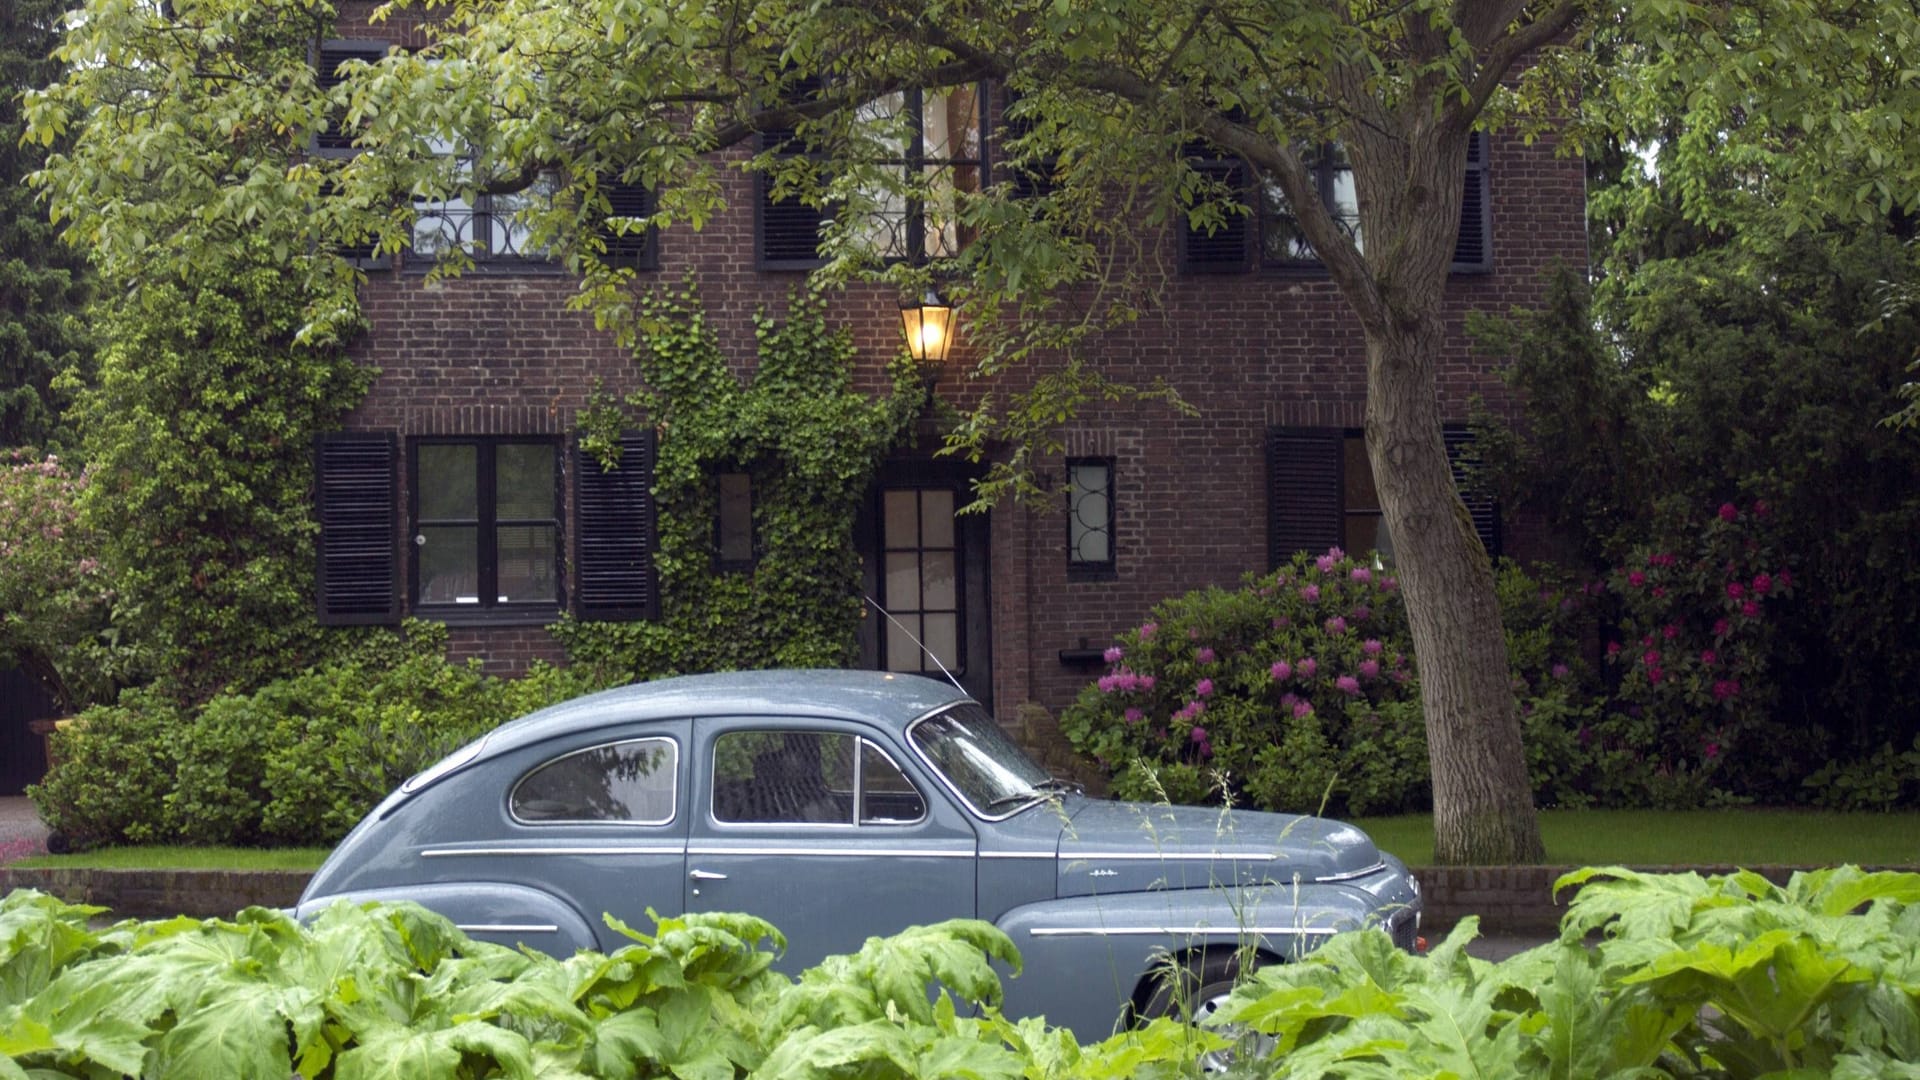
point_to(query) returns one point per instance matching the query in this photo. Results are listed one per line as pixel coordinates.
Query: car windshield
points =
(978, 759)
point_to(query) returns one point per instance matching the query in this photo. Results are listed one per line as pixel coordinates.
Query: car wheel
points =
(1195, 990)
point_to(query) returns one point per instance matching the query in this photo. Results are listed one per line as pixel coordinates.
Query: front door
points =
(819, 830)
(925, 566)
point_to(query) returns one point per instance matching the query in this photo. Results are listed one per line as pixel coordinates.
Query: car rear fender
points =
(1085, 958)
(486, 911)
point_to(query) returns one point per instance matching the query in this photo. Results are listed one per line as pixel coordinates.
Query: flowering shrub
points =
(53, 594)
(1692, 721)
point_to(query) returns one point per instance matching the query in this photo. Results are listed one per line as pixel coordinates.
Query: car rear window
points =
(633, 782)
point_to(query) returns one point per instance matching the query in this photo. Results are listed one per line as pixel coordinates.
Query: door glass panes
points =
(783, 778)
(886, 795)
(921, 580)
(630, 782)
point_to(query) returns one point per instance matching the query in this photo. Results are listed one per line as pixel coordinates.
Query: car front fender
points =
(1084, 957)
(486, 911)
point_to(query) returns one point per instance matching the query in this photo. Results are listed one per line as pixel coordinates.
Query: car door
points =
(818, 828)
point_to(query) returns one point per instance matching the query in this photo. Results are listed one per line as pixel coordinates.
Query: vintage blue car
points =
(843, 804)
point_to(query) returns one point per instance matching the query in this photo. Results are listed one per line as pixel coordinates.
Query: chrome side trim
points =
(1365, 871)
(1170, 856)
(1180, 931)
(508, 928)
(1017, 855)
(861, 852)
(442, 853)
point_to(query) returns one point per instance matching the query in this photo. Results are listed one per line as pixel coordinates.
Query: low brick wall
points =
(1508, 899)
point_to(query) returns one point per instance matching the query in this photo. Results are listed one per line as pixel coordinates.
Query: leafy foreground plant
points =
(1724, 977)
(395, 991)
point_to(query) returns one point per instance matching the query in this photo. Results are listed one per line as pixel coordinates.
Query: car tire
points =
(1194, 989)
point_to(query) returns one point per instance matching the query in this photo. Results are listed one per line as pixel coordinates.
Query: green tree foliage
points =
(53, 600)
(43, 283)
(811, 444)
(198, 432)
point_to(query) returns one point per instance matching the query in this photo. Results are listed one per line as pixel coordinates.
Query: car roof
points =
(887, 698)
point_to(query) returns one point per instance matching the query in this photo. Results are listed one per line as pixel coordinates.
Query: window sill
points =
(504, 266)
(464, 616)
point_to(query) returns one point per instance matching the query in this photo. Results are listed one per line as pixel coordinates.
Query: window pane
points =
(937, 592)
(902, 520)
(936, 519)
(942, 639)
(441, 225)
(450, 482)
(886, 795)
(449, 564)
(903, 654)
(523, 482)
(736, 518)
(1280, 237)
(527, 563)
(1359, 493)
(951, 119)
(788, 777)
(630, 781)
(903, 581)
(1089, 510)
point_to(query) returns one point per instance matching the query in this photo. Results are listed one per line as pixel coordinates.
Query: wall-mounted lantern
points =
(929, 325)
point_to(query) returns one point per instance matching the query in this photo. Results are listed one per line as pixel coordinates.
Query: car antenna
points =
(916, 641)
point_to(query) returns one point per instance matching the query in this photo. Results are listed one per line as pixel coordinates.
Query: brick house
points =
(456, 493)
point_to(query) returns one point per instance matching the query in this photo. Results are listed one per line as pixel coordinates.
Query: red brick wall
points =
(497, 353)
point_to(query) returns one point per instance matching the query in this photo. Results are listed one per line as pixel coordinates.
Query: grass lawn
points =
(1744, 837)
(186, 858)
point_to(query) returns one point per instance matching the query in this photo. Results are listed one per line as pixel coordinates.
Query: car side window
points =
(887, 797)
(632, 782)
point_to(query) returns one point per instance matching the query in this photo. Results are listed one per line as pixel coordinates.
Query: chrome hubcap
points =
(1248, 1045)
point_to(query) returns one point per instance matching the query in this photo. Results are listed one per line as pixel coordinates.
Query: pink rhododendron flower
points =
(1281, 670)
(1281, 622)
(1728, 511)
(1325, 564)
(1370, 669)
(1146, 682)
(1636, 579)
(1708, 657)
(1193, 633)
(1651, 658)
(1654, 675)
(1203, 688)
(1659, 592)
(1710, 751)
(1613, 649)
(1336, 626)
(1347, 685)
(1147, 630)
(1134, 716)
(1113, 655)
(1560, 671)
(1762, 583)
(1307, 667)
(1302, 710)
(1725, 688)
(1199, 734)
(1389, 584)
(1371, 646)
(1784, 579)
(1760, 508)
(1310, 593)
(1361, 613)
(1361, 573)
(1736, 590)
(1400, 677)
(1670, 632)
(1204, 654)
(1751, 609)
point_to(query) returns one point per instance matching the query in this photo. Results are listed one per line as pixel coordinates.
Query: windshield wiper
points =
(1016, 797)
(1056, 785)
(1052, 785)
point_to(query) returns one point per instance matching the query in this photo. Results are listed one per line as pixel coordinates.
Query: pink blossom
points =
(1725, 688)
(1654, 674)
(1659, 592)
(1302, 710)
(1721, 627)
(1708, 658)
(1206, 749)
(1325, 564)
(1389, 584)
(1147, 630)
(1336, 626)
(1735, 590)
(1710, 751)
(1281, 671)
(1193, 633)
(1784, 579)
(1560, 671)
(1134, 716)
(1190, 710)
(1647, 642)
(1203, 688)
(1361, 573)
(1370, 668)
(1751, 609)
(1308, 667)
(1361, 613)
(1113, 655)
(1199, 734)
(1762, 583)
(1204, 654)
(1636, 579)
(1728, 511)
(1651, 658)
(1670, 632)
(1400, 677)
(1281, 622)
(1613, 649)
(1760, 508)
(1347, 685)
(1146, 682)
(1310, 593)
(1371, 646)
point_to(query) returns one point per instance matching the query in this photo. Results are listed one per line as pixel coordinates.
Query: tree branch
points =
(1508, 49)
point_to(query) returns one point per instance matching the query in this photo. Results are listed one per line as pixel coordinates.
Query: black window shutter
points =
(616, 523)
(1473, 250)
(789, 228)
(632, 249)
(326, 68)
(1030, 179)
(1304, 482)
(354, 500)
(1229, 248)
(1481, 505)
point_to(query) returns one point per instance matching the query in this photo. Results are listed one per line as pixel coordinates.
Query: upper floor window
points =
(488, 226)
(1270, 234)
(486, 526)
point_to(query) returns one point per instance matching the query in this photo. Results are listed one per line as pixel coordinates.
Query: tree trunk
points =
(1482, 798)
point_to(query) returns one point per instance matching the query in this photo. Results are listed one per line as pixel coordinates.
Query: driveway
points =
(21, 833)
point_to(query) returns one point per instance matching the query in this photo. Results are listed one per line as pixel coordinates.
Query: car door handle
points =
(707, 875)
